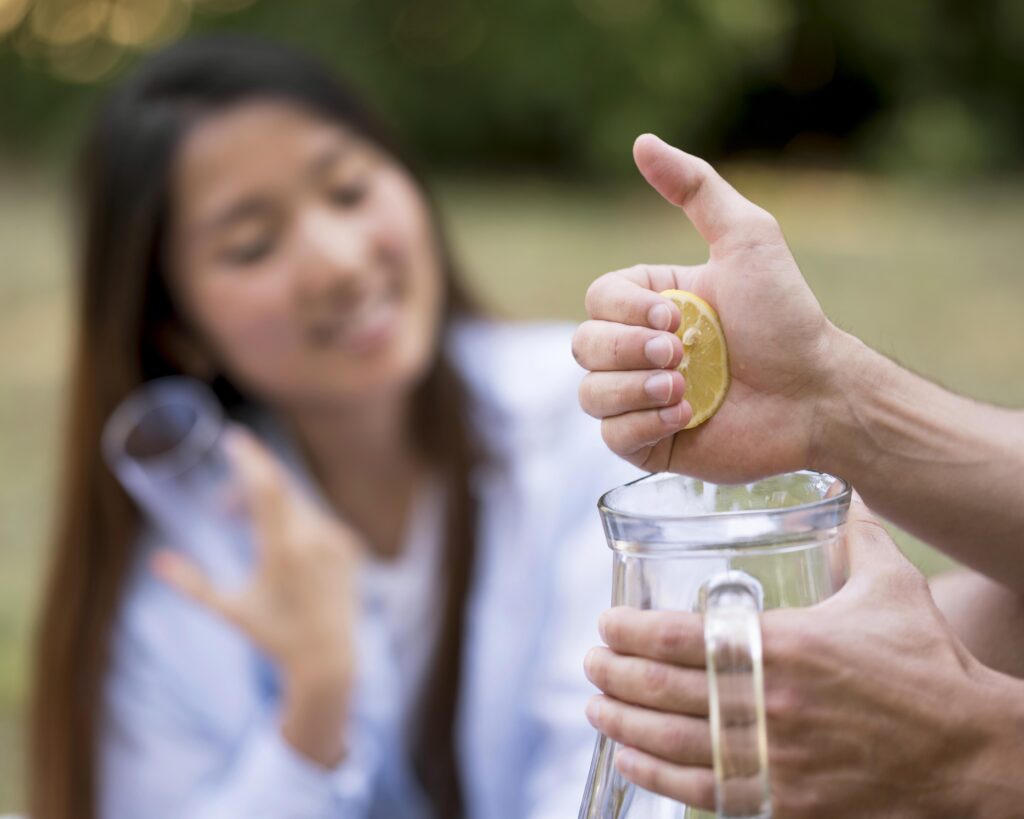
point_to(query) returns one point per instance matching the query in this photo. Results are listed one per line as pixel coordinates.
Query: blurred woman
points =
(429, 567)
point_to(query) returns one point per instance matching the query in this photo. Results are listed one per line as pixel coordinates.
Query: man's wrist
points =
(872, 415)
(851, 373)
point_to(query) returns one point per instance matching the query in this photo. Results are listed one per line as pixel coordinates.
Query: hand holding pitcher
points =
(856, 689)
(715, 557)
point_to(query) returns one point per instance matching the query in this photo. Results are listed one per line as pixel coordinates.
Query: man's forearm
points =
(946, 468)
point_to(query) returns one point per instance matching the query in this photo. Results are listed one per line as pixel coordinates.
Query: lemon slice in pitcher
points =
(705, 363)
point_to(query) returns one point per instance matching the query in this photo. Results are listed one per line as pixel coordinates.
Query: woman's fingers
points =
(186, 578)
(627, 434)
(668, 636)
(263, 484)
(285, 521)
(673, 737)
(605, 394)
(694, 787)
(606, 345)
(654, 684)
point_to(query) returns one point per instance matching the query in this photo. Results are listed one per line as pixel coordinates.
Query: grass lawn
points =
(928, 275)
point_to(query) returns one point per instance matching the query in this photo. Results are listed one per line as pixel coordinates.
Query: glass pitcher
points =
(728, 551)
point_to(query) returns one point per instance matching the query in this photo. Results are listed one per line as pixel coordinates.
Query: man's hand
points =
(874, 707)
(804, 394)
(779, 339)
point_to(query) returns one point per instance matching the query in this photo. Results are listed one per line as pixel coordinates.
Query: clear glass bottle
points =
(729, 551)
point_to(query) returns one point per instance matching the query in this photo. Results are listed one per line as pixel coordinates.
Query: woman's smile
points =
(364, 329)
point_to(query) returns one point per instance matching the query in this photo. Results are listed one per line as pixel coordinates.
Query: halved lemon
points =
(705, 363)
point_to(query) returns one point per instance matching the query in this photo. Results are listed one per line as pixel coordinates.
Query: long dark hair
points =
(123, 305)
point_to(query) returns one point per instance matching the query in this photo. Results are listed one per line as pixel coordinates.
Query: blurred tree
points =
(918, 85)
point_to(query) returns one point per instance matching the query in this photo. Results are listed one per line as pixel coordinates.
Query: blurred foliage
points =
(915, 85)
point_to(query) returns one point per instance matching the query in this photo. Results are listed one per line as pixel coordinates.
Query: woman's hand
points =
(874, 707)
(299, 604)
(780, 341)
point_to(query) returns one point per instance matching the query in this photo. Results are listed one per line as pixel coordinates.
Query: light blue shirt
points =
(192, 727)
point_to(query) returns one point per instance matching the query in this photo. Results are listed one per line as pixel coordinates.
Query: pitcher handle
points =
(732, 601)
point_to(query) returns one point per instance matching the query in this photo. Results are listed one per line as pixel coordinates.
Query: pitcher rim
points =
(842, 498)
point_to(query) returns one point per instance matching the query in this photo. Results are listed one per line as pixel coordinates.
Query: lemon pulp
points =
(705, 362)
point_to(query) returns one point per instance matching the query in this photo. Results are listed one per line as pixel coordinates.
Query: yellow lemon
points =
(705, 364)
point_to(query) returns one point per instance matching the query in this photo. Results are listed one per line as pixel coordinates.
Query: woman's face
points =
(304, 258)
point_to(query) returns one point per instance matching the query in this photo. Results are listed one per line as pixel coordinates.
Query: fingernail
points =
(659, 387)
(671, 416)
(602, 625)
(588, 661)
(659, 317)
(659, 351)
(594, 710)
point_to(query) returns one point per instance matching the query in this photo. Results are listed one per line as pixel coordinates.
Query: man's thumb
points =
(717, 211)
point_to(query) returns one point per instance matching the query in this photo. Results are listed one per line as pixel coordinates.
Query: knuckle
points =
(672, 638)
(675, 739)
(899, 582)
(796, 802)
(656, 678)
(786, 645)
(909, 580)
(782, 705)
(759, 226)
(617, 348)
(871, 530)
(702, 170)
(635, 271)
(764, 221)
(787, 758)
(704, 792)
(621, 306)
